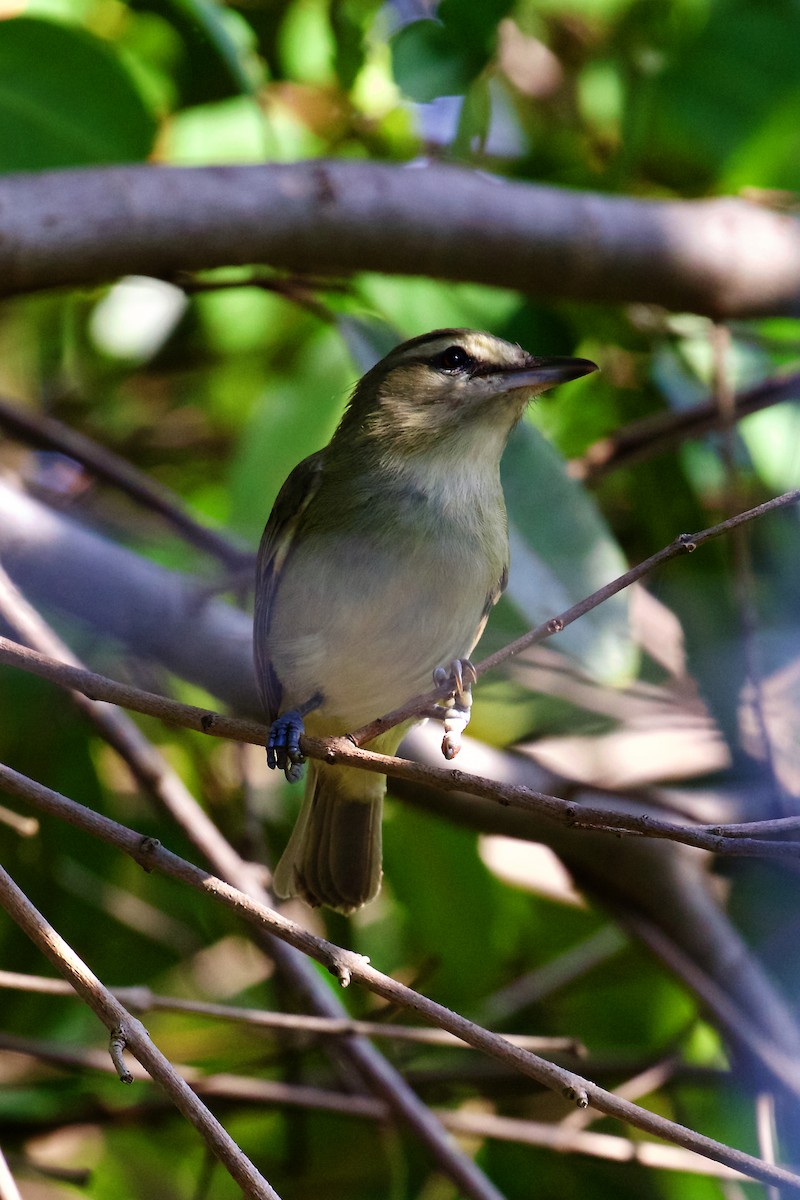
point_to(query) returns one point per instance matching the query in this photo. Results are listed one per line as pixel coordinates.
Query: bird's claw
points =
(461, 672)
(283, 745)
(459, 702)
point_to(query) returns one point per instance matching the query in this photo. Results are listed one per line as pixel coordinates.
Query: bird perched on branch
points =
(380, 563)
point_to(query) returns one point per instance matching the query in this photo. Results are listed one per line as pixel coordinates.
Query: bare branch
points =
(725, 257)
(141, 999)
(341, 750)
(127, 1030)
(659, 432)
(559, 1137)
(99, 687)
(347, 966)
(59, 563)
(38, 430)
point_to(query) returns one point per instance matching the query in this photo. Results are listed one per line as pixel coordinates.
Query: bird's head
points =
(450, 383)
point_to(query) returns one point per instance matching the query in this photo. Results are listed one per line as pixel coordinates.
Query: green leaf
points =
(295, 416)
(83, 108)
(474, 120)
(474, 25)
(350, 22)
(772, 438)
(428, 61)
(219, 59)
(425, 857)
(719, 87)
(561, 551)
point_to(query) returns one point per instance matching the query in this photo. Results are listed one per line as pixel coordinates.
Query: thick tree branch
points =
(725, 257)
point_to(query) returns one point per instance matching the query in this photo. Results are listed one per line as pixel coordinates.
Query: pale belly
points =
(366, 628)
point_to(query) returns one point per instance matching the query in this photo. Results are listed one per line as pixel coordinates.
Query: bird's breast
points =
(365, 616)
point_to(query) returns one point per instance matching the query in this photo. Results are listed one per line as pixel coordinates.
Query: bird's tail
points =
(334, 854)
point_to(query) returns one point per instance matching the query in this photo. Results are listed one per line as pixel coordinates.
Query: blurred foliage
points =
(218, 391)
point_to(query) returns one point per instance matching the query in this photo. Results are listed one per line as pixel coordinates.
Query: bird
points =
(381, 560)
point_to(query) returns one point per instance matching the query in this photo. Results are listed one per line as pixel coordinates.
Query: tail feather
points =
(334, 854)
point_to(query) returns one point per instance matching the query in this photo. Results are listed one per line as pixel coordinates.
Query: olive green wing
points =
(276, 546)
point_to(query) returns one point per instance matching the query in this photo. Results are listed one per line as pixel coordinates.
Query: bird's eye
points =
(455, 358)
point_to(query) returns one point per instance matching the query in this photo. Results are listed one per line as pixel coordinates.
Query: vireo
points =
(381, 560)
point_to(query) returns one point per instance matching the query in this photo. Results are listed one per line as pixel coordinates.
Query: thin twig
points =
(685, 543)
(651, 1078)
(662, 431)
(557, 1137)
(341, 750)
(141, 999)
(126, 1029)
(348, 966)
(297, 289)
(564, 1140)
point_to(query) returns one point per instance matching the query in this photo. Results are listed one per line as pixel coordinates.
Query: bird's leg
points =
(283, 743)
(458, 703)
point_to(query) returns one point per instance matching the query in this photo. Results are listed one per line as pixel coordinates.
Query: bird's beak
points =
(539, 374)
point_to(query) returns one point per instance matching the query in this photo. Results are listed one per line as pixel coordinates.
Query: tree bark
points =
(724, 257)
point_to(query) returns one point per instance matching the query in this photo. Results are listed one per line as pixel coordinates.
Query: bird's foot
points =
(461, 673)
(283, 744)
(458, 703)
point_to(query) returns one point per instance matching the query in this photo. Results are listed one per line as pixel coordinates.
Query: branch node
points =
(148, 849)
(687, 542)
(116, 1045)
(555, 625)
(577, 1096)
(208, 721)
(340, 963)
